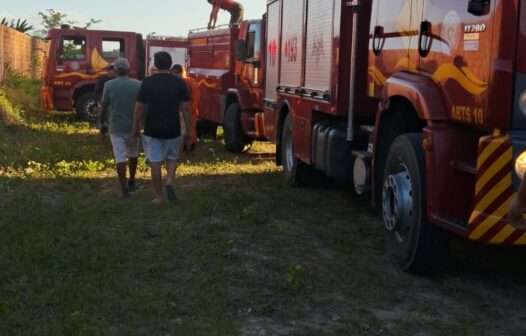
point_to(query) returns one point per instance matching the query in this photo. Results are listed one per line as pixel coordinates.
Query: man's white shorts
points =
(124, 146)
(158, 150)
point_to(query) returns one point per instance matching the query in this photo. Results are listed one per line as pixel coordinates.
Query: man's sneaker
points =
(132, 185)
(170, 193)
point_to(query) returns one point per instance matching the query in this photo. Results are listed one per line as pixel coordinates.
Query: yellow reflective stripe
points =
(503, 234)
(521, 240)
(495, 192)
(489, 222)
(490, 149)
(494, 169)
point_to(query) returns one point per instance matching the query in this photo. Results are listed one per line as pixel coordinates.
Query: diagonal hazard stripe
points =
(521, 240)
(490, 221)
(486, 165)
(490, 149)
(494, 190)
(478, 216)
(514, 238)
(483, 143)
(503, 175)
(504, 160)
(504, 234)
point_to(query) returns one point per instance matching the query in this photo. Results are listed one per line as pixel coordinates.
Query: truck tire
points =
(417, 245)
(296, 172)
(235, 140)
(84, 107)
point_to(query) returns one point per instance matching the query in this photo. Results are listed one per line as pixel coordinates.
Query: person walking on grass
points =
(162, 97)
(99, 87)
(234, 8)
(118, 100)
(193, 90)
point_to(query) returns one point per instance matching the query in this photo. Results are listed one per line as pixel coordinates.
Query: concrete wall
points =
(21, 53)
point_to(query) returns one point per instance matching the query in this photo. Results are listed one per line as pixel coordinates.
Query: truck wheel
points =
(85, 107)
(295, 171)
(235, 140)
(417, 245)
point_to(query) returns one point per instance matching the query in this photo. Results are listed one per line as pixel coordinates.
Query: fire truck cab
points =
(78, 58)
(422, 103)
(229, 68)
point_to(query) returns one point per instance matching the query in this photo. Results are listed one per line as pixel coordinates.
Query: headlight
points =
(522, 103)
(520, 165)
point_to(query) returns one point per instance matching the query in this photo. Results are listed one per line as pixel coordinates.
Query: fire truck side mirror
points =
(241, 50)
(478, 7)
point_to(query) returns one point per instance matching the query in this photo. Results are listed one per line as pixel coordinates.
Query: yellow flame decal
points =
(472, 77)
(206, 84)
(405, 64)
(469, 82)
(81, 75)
(377, 75)
(97, 62)
(463, 76)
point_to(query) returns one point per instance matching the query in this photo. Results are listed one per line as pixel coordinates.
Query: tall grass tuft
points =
(21, 90)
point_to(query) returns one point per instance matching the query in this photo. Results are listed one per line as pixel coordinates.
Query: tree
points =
(52, 18)
(21, 26)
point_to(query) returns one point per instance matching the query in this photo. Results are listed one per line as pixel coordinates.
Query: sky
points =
(162, 17)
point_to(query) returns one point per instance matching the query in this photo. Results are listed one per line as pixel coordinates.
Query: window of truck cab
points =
(112, 48)
(72, 48)
(254, 41)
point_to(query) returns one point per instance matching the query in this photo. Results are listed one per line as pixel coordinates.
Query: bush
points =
(21, 90)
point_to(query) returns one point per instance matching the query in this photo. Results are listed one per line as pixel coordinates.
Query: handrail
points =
(205, 28)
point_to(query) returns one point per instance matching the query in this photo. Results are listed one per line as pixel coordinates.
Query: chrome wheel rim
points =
(89, 110)
(398, 203)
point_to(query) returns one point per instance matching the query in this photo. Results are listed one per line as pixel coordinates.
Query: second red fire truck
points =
(231, 91)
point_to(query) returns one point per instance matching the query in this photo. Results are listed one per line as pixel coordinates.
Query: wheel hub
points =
(397, 202)
(89, 109)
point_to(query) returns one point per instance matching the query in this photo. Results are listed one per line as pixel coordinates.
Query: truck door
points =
(456, 51)
(72, 60)
(251, 74)
(391, 38)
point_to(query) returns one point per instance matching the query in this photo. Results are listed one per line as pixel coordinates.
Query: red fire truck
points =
(79, 57)
(420, 102)
(231, 91)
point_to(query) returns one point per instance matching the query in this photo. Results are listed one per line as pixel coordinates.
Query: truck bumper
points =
(496, 186)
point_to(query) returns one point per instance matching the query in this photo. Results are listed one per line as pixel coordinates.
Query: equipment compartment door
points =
(292, 43)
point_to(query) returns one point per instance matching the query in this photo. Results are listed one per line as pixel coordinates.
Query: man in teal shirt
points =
(118, 101)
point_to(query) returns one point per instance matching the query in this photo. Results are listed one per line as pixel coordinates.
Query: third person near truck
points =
(234, 8)
(118, 101)
(193, 89)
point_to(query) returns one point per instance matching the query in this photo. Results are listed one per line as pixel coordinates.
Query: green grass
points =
(240, 253)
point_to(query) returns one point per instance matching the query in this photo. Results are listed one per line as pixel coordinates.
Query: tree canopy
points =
(19, 25)
(52, 18)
